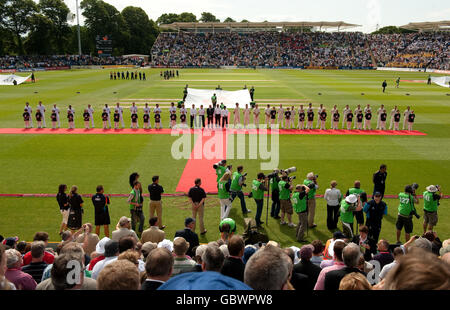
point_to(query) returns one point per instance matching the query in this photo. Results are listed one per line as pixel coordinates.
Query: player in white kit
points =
(405, 117)
(280, 112)
(193, 114)
(41, 108)
(29, 110)
(157, 110)
(379, 111)
(134, 112)
(147, 125)
(56, 110)
(293, 117)
(246, 116)
(120, 111)
(172, 109)
(267, 115)
(319, 111)
(344, 113)
(391, 121)
(108, 111)
(91, 114)
(201, 117)
(237, 116)
(256, 113)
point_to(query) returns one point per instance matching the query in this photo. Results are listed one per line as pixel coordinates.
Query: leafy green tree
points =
(167, 18)
(39, 41)
(391, 30)
(244, 21)
(229, 20)
(209, 18)
(56, 11)
(186, 17)
(142, 31)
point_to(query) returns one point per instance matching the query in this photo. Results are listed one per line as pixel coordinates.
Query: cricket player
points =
(54, 119)
(256, 113)
(319, 111)
(91, 114)
(237, 115)
(405, 117)
(367, 119)
(273, 116)
(116, 118)
(134, 116)
(397, 116)
(359, 119)
(267, 115)
(301, 118)
(246, 116)
(41, 108)
(323, 119)
(383, 117)
(391, 123)
(335, 118)
(30, 112)
(158, 112)
(86, 118)
(119, 109)
(310, 116)
(147, 124)
(108, 111)
(217, 115)
(173, 119)
(293, 117)
(349, 119)
(332, 116)
(357, 111)
(38, 119)
(193, 113)
(344, 113)
(280, 115)
(379, 111)
(201, 117)
(56, 110)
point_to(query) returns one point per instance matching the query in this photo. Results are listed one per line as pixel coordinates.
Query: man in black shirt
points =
(252, 92)
(155, 191)
(375, 210)
(197, 198)
(384, 85)
(101, 202)
(379, 180)
(210, 115)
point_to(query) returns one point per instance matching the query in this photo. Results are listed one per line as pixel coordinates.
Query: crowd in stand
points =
(42, 62)
(281, 49)
(126, 262)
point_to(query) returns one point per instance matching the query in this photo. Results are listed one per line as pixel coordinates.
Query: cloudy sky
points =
(368, 13)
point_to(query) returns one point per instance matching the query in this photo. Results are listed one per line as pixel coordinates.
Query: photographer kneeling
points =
(430, 205)
(259, 186)
(236, 188)
(405, 212)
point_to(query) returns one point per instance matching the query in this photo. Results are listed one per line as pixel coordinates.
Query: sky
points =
(370, 14)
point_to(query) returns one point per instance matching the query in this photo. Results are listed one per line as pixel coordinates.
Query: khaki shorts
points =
(286, 206)
(65, 215)
(430, 218)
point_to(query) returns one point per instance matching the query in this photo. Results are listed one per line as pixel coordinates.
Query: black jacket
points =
(190, 237)
(234, 268)
(333, 278)
(309, 269)
(150, 285)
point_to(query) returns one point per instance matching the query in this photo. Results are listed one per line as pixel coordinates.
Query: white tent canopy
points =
(228, 98)
(10, 78)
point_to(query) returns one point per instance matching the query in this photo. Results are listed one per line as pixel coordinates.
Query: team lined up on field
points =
(216, 116)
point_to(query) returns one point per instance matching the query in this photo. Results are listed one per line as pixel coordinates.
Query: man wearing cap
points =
(375, 210)
(181, 263)
(299, 203)
(123, 229)
(379, 180)
(189, 235)
(431, 199)
(348, 205)
(311, 182)
(405, 209)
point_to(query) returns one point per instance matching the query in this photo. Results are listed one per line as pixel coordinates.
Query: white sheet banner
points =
(9, 79)
(441, 81)
(228, 98)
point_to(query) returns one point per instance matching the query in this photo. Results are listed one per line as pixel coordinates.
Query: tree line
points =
(47, 28)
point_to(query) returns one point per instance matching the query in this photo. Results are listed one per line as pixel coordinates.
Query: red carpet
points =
(167, 131)
(208, 150)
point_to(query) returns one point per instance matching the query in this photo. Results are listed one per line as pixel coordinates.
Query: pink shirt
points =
(320, 284)
(22, 280)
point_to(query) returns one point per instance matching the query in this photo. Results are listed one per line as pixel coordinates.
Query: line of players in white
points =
(216, 116)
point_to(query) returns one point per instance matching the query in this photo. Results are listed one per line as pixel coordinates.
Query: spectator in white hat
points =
(431, 198)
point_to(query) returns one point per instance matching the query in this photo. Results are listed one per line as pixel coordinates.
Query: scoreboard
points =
(104, 45)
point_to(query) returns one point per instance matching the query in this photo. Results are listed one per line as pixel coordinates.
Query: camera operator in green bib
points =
(348, 205)
(285, 187)
(311, 182)
(356, 190)
(299, 203)
(237, 182)
(405, 212)
(224, 195)
(259, 186)
(431, 199)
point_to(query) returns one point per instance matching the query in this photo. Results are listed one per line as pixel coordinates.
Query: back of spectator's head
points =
(268, 269)
(152, 221)
(199, 250)
(66, 235)
(383, 245)
(429, 235)
(318, 247)
(423, 243)
(22, 247)
(446, 258)
(236, 246)
(37, 249)
(305, 253)
(418, 270)
(155, 178)
(13, 258)
(41, 236)
(111, 248)
(147, 248)
(354, 281)
(159, 263)
(212, 258)
(290, 252)
(180, 246)
(397, 252)
(351, 255)
(364, 229)
(119, 275)
(62, 270)
(248, 252)
(224, 249)
(10, 242)
(131, 256)
(124, 221)
(127, 243)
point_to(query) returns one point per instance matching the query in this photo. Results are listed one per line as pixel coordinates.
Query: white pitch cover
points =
(9, 79)
(229, 98)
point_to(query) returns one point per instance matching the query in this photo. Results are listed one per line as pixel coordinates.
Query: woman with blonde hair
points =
(76, 210)
(354, 282)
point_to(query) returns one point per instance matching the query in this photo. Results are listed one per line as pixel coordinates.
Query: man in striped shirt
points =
(182, 263)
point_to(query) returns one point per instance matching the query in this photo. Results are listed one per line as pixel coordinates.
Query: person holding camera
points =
(431, 199)
(356, 190)
(311, 182)
(259, 186)
(299, 203)
(405, 212)
(135, 200)
(237, 182)
(285, 187)
(350, 204)
(224, 195)
(275, 210)
(379, 180)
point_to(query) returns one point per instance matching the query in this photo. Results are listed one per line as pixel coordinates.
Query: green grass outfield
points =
(39, 163)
